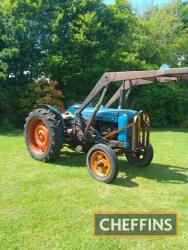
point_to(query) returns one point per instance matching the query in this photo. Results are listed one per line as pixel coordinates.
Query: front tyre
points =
(102, 163)
(142, 158)
(43, 132)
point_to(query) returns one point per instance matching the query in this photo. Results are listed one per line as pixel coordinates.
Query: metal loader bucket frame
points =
(140, 131)
(129, 79)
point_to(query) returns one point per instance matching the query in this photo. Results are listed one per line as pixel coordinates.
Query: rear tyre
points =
(44, 132)
(142, 158)
(102, 163)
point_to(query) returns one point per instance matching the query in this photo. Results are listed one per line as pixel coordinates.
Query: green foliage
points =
(159, 32)
(8, 121)
(166, 104)
(75, 42)
(40, 92)
(17, 102)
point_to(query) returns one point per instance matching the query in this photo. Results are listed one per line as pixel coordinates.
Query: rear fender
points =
(54, 110)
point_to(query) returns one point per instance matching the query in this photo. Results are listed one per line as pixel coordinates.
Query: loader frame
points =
(129, 79)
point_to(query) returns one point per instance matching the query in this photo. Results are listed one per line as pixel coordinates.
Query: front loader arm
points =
(129, 84)
(136, 78)
(104, 81)
(129, 78)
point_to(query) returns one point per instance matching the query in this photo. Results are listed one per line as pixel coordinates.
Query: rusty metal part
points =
(96, 109)
(115, 144)
(130, 79)
(140, 131)
(120, 151)
(153, 76)
(118, 130)
(103, 82)
(133, 83)
(80, 127)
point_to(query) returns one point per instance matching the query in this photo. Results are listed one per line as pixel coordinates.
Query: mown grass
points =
(51, 206)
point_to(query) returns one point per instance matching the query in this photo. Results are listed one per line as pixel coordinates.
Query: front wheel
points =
(102, 163)
(142, 158)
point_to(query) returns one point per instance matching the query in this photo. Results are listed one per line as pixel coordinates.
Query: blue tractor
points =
(102, 132)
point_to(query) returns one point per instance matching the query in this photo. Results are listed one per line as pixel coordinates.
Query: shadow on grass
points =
(155, 171)
(71, 159)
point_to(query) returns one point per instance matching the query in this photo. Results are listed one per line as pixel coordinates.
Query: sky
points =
(140, 6)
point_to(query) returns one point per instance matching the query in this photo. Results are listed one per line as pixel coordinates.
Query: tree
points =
(75, 42)
(43, 90)
(88, 38)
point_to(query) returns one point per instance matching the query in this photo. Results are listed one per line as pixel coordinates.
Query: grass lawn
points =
(51, 206)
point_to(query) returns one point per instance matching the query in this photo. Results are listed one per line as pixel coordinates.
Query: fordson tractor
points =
(101, 131)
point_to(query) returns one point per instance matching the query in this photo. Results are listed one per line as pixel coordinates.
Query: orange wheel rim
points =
(38, 136)
(100, 164)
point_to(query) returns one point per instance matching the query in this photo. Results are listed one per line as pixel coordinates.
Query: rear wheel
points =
(43, 134)
(102, 163)
(142, 158)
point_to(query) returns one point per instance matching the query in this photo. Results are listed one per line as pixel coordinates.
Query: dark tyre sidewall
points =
(144, 162)
(55, 130)
(113, 163)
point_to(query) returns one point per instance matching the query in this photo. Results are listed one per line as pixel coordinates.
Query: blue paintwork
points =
(119, 116)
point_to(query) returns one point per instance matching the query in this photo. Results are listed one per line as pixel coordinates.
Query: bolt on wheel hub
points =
(100, 164)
